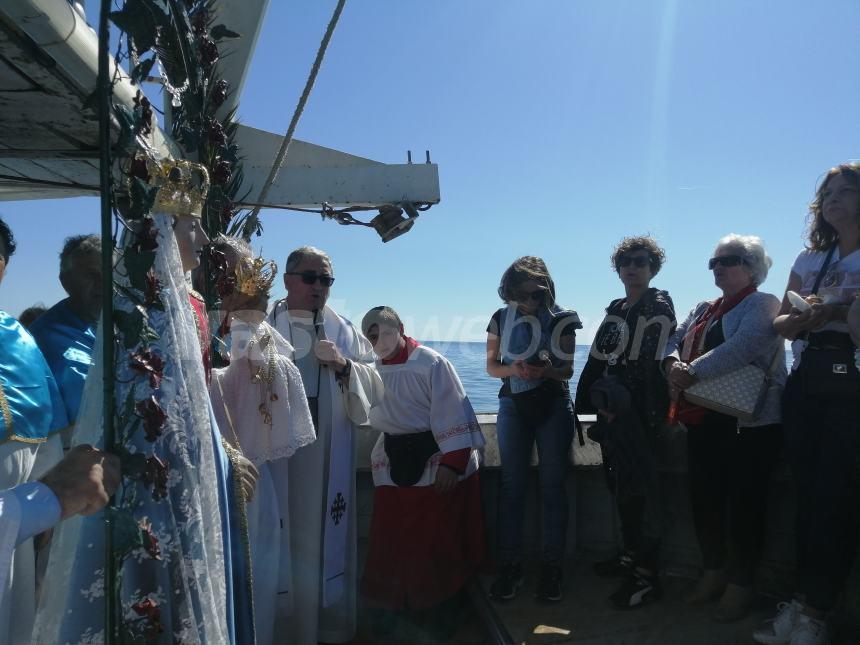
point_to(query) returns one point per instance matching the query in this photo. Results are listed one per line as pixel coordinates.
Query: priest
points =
(337, 366)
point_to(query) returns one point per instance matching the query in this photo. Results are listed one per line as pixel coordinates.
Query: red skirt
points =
(423, 546)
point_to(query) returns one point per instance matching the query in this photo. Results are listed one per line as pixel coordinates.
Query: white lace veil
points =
(188, 583)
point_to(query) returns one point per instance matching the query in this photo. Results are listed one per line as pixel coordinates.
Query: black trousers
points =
(729, 471)
(823, 445)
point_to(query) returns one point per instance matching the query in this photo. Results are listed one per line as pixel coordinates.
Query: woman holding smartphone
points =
(530, 345)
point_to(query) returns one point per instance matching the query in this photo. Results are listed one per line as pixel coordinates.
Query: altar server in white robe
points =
(261, 408)
(427, 530)
(337, 366)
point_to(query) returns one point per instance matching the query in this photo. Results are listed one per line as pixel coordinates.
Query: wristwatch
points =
(343, 373)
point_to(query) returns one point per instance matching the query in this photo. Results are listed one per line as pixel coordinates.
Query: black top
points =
(640, 370)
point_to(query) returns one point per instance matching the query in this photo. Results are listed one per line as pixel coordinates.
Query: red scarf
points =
(693, 345)
(402, 354)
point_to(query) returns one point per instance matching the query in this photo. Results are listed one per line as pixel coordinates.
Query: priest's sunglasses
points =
(310, 277)
(726, 261)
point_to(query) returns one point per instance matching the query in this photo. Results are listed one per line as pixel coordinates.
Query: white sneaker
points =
(809, 631)
(777, 630)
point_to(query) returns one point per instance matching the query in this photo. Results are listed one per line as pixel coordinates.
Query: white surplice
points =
(236, 400)
(320, 481)
(425, 393)
(18, 607)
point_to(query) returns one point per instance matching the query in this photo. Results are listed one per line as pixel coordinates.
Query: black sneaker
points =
(505, 586)
(636, 591)
(614, 567)
(549, 587)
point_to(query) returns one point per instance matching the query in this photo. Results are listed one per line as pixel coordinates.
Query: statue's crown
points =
(255, 277)
(182, 186)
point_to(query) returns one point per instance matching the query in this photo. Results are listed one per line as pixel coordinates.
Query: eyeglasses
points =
(726, 261)
(537, 295)
(637, 261)
(309, 277)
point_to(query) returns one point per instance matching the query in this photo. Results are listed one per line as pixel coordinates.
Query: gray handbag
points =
(740, 393)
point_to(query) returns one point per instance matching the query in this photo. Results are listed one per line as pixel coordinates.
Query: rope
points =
(288, 138)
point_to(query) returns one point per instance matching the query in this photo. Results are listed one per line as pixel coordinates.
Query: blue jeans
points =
(553, 439)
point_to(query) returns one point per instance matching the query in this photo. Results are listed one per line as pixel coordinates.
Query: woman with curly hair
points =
(626, 354)
(530, 345)
(821, 428)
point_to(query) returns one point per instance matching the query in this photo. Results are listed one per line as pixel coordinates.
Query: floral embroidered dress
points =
(173, 581)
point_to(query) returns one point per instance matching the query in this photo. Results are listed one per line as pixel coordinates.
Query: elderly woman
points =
(729, 460)
(627, 348)
(530, 345)
(821, 429)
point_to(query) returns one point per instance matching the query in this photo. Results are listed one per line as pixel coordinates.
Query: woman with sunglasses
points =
(821, 428)
(627, 350)
(729, 461)
(530, 345)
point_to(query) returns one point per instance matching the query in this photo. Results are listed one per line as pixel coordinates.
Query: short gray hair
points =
(240, 247)
(751, 249)
(76, 246)
(302, 253)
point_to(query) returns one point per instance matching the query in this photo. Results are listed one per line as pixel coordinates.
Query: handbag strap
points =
(823, 269)
(805, 335)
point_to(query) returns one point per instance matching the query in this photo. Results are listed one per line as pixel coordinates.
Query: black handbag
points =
(535, 406)
(827, 365)
(408, 455)
(829, 370)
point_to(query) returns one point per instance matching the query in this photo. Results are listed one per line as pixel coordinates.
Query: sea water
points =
(470, 361)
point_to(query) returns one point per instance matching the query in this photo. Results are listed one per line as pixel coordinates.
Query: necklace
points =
(624, 334)
(264, 375)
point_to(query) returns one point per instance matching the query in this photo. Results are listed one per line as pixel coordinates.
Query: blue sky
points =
(559, 127)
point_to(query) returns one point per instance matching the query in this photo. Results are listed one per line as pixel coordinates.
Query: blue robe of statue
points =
(67, 343)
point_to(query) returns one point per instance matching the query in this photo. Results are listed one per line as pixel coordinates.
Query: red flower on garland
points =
(148, 363)
(148, 610)
(219, 93)
(147, 237)
(155, 475)
(222, 174)
(153, 417)
(152, 296)
(199, 21)
(150, 542)
(142, 103)
(216, 133)
(138, 169)
(227, 209)
(208, 53)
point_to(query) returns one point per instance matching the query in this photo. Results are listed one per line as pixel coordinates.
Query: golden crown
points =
(182, 186)
(255, 277)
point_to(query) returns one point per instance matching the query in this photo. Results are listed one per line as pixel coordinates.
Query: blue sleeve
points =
(40, 509)
(59, 417)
